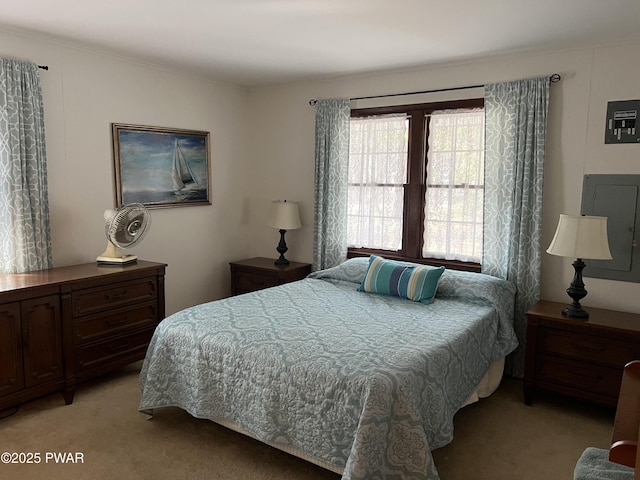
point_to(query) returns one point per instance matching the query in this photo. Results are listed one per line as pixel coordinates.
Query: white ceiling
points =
(261, 42)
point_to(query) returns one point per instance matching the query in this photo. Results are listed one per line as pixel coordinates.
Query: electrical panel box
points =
(622, 122)
(616, 197)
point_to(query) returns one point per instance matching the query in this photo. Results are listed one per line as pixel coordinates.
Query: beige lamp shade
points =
(581, 236)
(284, 215)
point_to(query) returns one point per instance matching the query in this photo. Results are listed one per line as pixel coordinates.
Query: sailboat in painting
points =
(182, 177)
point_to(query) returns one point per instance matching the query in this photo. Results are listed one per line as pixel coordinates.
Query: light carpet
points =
(496, 438)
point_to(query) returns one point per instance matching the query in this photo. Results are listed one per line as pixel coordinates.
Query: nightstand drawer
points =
(250, 282)
(93, 300)
(580, 357)
(597, 379)
(589, 348)
(107, 324)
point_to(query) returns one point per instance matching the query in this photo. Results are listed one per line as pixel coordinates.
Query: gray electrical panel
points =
(616, 197)
(622, 122)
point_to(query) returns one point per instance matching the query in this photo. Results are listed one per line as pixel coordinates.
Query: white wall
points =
(282, 146)
(84, 92)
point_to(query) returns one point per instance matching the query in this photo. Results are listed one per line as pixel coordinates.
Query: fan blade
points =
(127, 225)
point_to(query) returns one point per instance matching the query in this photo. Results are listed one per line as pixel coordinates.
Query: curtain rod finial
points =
(313, 102)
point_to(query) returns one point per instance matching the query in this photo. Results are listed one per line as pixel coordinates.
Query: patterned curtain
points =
(25, 234)
(515, 130)
(331, 176)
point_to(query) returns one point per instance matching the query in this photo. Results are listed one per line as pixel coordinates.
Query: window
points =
(416, 182)
(377, 174)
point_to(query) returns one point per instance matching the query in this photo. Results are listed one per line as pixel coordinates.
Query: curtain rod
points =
(44, 67)
(553, 79)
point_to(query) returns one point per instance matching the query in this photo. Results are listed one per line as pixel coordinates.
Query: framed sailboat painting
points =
(161, 167)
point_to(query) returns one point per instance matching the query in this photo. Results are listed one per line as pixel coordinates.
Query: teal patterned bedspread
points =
(366, 382)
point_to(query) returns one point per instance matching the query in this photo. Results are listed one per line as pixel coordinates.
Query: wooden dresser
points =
(62, 326)
(258, 273)
(582, 358)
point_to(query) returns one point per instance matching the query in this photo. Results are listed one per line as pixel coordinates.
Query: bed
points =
(361, 383)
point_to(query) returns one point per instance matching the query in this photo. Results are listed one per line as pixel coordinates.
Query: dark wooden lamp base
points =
(281, 249)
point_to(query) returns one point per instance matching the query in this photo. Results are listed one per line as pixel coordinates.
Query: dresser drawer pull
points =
(113, 322)
(589, 375)
(120, 346)
(115, 296)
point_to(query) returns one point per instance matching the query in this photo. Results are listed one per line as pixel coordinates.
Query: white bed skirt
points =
(486, 387)
(489, 383)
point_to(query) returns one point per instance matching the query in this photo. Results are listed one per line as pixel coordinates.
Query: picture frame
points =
(161, 167)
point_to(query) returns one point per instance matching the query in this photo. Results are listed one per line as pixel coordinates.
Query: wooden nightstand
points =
(582, 358)
(258, 273)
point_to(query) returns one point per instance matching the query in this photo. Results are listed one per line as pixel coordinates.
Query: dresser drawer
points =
(249, 282)
(589, 348)
(130, 347)
(110, 323)
(595, 379)
(92, 300)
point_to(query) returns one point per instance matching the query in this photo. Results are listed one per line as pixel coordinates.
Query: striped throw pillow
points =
(388, 277)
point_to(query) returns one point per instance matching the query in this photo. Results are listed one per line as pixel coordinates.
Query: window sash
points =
(377, 174)
(453, 206)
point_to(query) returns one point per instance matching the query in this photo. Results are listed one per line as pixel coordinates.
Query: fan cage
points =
(127, 225)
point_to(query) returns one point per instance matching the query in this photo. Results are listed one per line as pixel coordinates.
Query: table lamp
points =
(580, 237)
(284, 216)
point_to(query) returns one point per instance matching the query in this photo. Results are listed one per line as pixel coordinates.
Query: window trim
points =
(415, 188)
